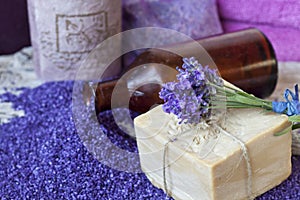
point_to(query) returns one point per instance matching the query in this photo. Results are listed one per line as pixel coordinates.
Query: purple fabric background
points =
(283, 13)
(42, 156)
(195, 18)
(278, 19)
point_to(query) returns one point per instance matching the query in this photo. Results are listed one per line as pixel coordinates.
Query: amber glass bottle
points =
(244, 58)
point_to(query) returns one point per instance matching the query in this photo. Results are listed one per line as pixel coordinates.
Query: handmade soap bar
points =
(214, 166)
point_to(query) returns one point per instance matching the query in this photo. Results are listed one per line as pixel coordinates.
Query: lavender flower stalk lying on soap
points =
(200, 89)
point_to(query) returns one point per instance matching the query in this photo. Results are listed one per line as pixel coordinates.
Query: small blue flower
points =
(291, 106)
(279, 107)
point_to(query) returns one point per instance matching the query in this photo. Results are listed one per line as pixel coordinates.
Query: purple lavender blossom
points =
(190, 97)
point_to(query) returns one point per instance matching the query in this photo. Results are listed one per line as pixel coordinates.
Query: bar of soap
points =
(213, 167)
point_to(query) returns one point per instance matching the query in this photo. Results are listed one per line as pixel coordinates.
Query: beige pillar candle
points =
(64, 32)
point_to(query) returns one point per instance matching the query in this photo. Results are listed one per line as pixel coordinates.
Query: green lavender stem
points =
(239, 99)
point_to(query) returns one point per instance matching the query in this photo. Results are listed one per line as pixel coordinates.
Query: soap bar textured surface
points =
(215, 168)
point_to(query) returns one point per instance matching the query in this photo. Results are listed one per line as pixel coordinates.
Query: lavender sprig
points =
(200, 89)
(190, 97)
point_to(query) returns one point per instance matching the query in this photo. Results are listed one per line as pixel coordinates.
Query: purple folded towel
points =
(286, 41)
(285, 13)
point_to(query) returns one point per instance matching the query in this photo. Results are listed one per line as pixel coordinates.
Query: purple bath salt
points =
(64, 32)
(43, 157)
